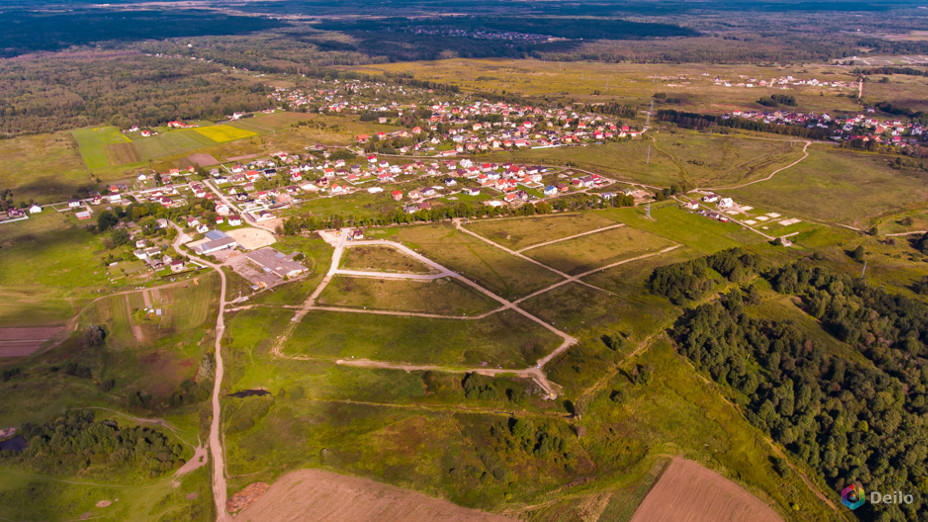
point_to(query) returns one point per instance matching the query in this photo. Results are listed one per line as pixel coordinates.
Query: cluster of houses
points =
(782, 82)
(865, 127)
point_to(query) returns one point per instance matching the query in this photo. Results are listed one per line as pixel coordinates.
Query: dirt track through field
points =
(320, 495)
(688, 492)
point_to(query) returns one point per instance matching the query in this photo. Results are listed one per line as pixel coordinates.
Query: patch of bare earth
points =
(246, 497)
(203, 159)
(688, 492)
(312, 494)
(23, 341)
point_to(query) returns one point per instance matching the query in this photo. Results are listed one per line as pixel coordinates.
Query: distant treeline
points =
(908, 71)
(690, 120)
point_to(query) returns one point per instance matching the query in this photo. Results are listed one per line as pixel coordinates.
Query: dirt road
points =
(220, 489)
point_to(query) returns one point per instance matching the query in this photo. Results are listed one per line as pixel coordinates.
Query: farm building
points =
(277, 263)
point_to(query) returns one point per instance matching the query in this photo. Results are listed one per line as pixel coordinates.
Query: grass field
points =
(267, 123)
(506, 339)
(630, 83)
(519, 233)
(677, 156)
(381, 258)
(44, 167)
(852, 188)
(585, 253)
(492, 267)
(39, 284)
(444, 296)
(189, 306)
(93, 143)
(224, 133)
(172, 143)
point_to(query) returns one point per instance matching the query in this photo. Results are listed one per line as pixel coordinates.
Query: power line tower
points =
(648, 122)
(647, 210)
(864, 271)
(649, 154)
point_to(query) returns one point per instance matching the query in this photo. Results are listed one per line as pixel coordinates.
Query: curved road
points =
(220, 491)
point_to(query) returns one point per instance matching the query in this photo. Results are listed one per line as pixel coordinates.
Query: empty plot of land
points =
(500, 272)
(585, 253)
(252, 238)
(506, 339)
(122, 153)
(203, 159)
(689, 492)
(445, 296)
(20, 342)
(312, 494)
(382, 259)
(524, 232)
(92, 143)
(172, 143)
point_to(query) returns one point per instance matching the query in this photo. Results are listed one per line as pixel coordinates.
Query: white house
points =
(35, 209)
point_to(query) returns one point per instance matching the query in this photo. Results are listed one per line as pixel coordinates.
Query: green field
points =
(851, 188)
(381, 258)
(46, 167)
(444, 296)
(504, 274)
(93, 145)
(585, 253)
(519, 233)
(172, 143)
(506, 339)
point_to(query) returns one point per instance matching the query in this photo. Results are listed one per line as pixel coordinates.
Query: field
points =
(852, 188)
(224, 133)
(383, 259)
(504, 339)
(94, 145)
(444, 296)
(583, 254)
(504, 274)
(677, 156)
(629, 83)
(172, 143)
(520, 233)
(323, 495)
(688, 491)
(45, 167)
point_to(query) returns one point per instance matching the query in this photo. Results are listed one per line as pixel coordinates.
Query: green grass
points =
(383, 259)
(518, 233)
(92, 142)
(693, 230)
(504, 339)
(504, 274)
(189, 306)
(585, 253)
(45, 167)
(445, 296)
(172, 143)
(46, 262)
(839, 186)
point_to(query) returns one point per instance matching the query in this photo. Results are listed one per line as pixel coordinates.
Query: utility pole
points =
(864, 271)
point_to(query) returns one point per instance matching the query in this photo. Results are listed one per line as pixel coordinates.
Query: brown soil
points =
(312, 494)
(203, 159)
(20, 342)
(688, 492)
(246, 497)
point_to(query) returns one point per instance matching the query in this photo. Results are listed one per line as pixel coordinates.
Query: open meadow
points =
(444, 296)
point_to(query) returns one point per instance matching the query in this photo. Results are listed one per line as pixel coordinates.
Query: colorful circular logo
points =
(853, 496)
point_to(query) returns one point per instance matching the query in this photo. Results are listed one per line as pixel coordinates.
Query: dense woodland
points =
(853, 420)
(118, 88)
(79, 442)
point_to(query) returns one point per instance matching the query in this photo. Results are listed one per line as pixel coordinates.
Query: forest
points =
(118, 88)
(79, 442)
(851, 420)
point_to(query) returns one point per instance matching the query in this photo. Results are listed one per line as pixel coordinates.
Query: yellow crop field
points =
(224, 133)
